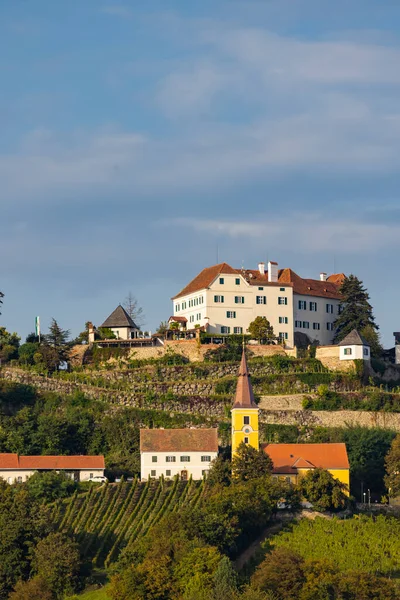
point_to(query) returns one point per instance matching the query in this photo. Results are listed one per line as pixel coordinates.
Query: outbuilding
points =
(354, 347)
(17, 469)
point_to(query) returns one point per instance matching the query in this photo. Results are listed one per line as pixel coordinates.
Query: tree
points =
(48, 486)
(131, 305)
(57, 339)
(9, 344)
(162, 328)
(27, 353)
(356, 311)
(262, 330)
(220, 472)
(373, 339)
(324, 492)
(281, 573)
(249, 463)
(56, 561)
(33, 589)
(224, 580)
(392, 463)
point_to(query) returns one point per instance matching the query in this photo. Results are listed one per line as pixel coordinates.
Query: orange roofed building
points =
(17, 469)
(292, 461)
(225, 300)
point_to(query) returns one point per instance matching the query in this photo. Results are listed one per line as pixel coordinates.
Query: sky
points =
(143, 141)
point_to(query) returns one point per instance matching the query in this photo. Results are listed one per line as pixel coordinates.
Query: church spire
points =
(244, 397)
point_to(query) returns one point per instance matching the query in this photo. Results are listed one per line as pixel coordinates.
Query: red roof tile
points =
(287, 458)
(8, 461)
(13, 461)
(179, 440)
(177, 319)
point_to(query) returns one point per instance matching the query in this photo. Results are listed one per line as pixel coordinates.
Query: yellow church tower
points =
(244, 411)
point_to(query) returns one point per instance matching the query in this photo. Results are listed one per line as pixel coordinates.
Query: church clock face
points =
(247, 430)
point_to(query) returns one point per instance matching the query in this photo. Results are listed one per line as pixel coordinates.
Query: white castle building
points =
(225, 300)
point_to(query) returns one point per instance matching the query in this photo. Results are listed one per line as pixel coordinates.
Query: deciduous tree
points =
(324, 492)
(262, 330)
(392, 463)
(249, 463)
(56, 561)
(33, 589)
(134, 310)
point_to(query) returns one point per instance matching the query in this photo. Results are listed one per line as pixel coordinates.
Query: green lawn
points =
(100, 594)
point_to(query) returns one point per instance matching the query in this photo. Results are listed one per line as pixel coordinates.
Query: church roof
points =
(288, 458)
(119, 318)
(244, 397)
(354, 339)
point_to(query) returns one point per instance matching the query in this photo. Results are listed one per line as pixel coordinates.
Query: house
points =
(184, 452)
(354, 346)
(121, 324)
(292, 461)
(16, 469)
(226, 300)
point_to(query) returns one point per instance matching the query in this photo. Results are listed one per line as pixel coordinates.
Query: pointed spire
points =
(244, 397)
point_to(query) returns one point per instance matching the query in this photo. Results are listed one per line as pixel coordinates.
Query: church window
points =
(246, 420)
(246, 440)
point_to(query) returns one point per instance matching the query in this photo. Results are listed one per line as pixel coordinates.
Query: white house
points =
(121, 324)
(17, 469)
(183, 452)
(226, 300)
(354, 346)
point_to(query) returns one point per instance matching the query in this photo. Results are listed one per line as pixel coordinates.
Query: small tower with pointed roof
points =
(244, 411)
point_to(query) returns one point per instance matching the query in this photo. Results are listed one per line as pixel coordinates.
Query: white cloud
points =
(305, 232)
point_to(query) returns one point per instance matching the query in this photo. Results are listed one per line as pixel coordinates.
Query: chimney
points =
(272, 271)
(261, 268)
(322, 276)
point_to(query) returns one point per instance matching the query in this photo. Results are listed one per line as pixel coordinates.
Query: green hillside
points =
(104, 520)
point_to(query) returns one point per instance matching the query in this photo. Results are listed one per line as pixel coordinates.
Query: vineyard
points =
(106, 519)
(365, 544)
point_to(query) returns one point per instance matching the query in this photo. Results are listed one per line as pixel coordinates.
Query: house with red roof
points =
(292, 461)
(183, 452)
(225, 300)
(17, 469)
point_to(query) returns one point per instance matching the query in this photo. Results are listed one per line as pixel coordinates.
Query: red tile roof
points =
(205, 278)
(179, 440)
(8, 461)
(13, 461)
(177, 319)
(287, 458)
(306, 287)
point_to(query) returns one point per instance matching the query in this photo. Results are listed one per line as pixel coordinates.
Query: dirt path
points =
(252, 549)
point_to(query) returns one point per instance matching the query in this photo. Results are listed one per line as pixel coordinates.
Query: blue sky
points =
(137, 137)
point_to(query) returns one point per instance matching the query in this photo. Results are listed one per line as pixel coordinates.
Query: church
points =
(189, 452)
(291, 461)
